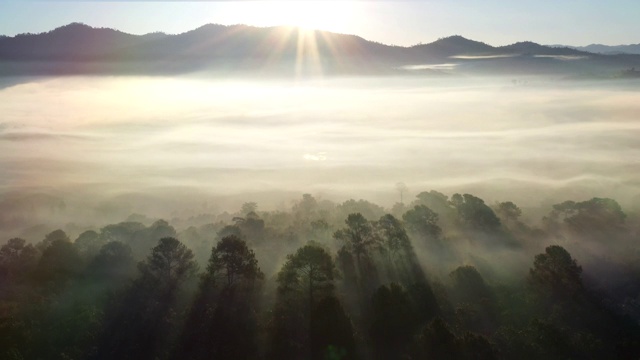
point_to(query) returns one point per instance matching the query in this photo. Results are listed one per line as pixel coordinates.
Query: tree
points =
(59, 264)
(474, 213)
(423, 221)
(170, 263)
(475, 300)
(393, 321)
(394, 236)
(233, 261)
(141, 322)
(332, 331)
(555, 274)
(122, 232)
(367, 209)
(305, 278)
(222, 323)
(251, 225)
(438, 342)
(113, 264)
(89, 243)
(509, 211)
(358, 236)
(468, 284)
(51, 237)
(402, 189)
(17, 260)
(230, 230)
(309, 271)
(248, 207)
(595, 216)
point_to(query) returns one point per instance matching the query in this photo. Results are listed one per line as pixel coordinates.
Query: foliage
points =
(233, 261)
(474, 213)
(423, 221)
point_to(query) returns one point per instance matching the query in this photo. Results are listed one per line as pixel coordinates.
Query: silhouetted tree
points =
(332, 332)
(222, 322)
(393, 322)
(139, 325)
(555, 274)
(474, 213)
(423, 221)
(59, 264)
(112, 266)
(359, 236)
(232, 261)
(17, 260)
(89, 243)
(305, 278)
(50, 238)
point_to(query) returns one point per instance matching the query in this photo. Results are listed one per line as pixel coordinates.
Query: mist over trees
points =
(442, 276)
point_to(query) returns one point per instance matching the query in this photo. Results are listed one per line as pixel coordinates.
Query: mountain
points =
(607, 49)
(80, 49)
(454, 46)
(531, 48)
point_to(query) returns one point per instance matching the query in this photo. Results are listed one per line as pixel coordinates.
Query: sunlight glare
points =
(333, 16)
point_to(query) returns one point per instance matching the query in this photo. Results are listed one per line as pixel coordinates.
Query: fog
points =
(167, 146)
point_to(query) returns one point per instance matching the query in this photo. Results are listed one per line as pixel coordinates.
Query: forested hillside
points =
(441, 277)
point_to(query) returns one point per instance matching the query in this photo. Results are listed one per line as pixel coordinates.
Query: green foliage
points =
(598, 215)
(367, 209)
(359, 236)
(468, 284)
(112, 265)
(309, 271)
(87, 299)
(59, 264)
(170, 263)
(89, 243)
(50, 238)
(509, 211)
(17, 261)
(303, 281)
(394, 237)
(249, 207)
(438, 342)
(474, 213)
(555, 274)
(232, 261)
(423, 221)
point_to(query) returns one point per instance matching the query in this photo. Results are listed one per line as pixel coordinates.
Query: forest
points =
(440, 277)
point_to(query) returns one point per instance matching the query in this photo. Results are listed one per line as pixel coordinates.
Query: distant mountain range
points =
(606, 49)
(80, 49)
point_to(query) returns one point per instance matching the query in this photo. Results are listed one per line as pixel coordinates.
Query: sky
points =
(496, 22)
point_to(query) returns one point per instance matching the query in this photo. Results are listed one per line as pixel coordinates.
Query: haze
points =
(174, 143)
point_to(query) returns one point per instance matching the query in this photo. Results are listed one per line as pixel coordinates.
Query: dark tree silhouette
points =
(393, 322)
(555, 274)
(305, 278)
(141, 323)
(232, 261)
(359, 236)
(332, 332)
(474, 213)
(17, 261)
(222, 322)
(423, 221)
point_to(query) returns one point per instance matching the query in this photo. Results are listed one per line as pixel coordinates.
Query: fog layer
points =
(187, 141)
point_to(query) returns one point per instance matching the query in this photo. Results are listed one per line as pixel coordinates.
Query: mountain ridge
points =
(79, 48)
